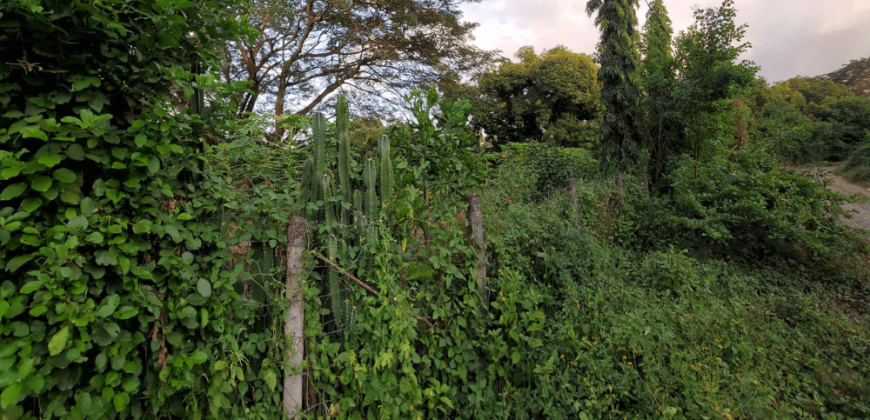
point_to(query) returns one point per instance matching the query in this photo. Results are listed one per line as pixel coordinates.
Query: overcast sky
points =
(789, 37)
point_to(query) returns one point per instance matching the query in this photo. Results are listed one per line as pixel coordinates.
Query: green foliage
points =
(622, 131)
(406, 244)
(805, 94)
(855, 76)
(551, 97)
(708, 76)
(658, 79)
(744, 205)
(588, 329)
(534, 170)
(119, 295)
(858, 166)
(849, 120)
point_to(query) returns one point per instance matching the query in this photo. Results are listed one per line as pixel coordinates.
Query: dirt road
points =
(861, 218)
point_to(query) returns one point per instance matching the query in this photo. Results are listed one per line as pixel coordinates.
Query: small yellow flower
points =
(718, 360)
(610, 388)
(720, 347)
(503, 299)
(728, 416)
(629, 363)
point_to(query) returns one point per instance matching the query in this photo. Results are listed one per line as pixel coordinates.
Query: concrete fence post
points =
(572, 190)
(293, 328)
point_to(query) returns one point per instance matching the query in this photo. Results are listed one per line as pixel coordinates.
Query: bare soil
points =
(858, 213)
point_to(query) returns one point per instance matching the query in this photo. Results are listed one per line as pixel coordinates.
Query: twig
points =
(362, 284)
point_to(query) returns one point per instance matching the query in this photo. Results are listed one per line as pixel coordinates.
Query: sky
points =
(788, 37)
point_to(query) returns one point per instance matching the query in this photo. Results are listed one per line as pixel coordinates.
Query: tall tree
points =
(552, 97)
(658, 79)
(622, 121)
(308, 49)
(709, 71)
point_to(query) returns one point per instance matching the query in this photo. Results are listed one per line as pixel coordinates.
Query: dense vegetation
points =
(143, 228)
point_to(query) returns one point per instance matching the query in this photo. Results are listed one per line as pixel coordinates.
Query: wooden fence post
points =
(476, 241)
(572, 189)
(293, 328)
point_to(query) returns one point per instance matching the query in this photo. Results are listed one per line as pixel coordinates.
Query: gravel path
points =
(861, 217)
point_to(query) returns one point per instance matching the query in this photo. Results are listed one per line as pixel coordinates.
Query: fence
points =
(297, 390)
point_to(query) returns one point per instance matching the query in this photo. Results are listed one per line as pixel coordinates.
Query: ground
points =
(860, 212)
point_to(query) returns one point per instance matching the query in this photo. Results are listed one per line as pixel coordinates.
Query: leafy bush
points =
(745, 206)
(119, 297)
(582, 327)
(545, 167)
(858, 166)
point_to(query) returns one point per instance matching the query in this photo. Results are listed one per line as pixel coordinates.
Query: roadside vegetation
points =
(144, 214)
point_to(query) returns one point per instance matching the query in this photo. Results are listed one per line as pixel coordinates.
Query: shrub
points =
(858, 166)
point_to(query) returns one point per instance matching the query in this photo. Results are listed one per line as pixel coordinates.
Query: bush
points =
(858, 167)
(544, 167)
(746, 206)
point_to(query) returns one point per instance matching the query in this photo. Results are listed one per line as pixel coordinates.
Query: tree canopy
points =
(305, 51)
(549, 97)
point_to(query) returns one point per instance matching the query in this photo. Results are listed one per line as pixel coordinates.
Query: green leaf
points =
(75, 152)
(203, 287)
(10, 394)
(16, 263)
(111, 303)
(270, 378)
(95, 237)
(58, 343)
(30, 287)
(120, 401)
(198, 357)
(153, 164)
(39, 310)
(187, 312)
(26, 367)
(13, 191)
(30, 204)
(78, 222)
(64, 175)
(100, 362)
(40, 183)
(140, 140)
(126, 312)
(33, 132)
(49, 160)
